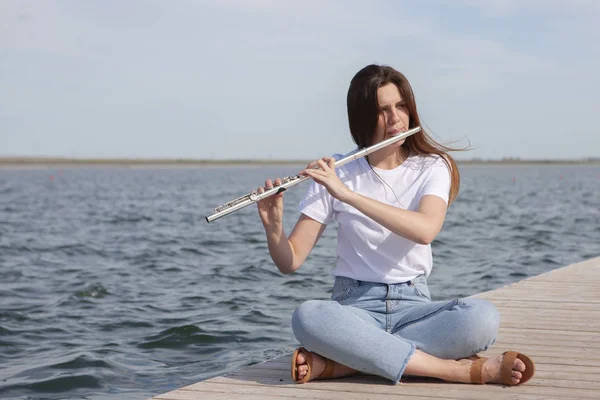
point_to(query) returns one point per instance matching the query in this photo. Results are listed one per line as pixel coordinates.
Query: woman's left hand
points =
(327, 177)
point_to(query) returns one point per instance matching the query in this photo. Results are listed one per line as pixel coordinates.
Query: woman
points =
(389, 206)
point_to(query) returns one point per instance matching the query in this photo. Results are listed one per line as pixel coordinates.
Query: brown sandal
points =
(508, 360)
(327, 372)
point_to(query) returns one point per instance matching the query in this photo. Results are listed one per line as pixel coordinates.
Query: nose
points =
(394, 117)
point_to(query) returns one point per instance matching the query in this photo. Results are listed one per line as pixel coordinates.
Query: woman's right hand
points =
(270, 209)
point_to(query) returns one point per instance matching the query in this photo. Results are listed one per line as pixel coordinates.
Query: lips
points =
(395, 132)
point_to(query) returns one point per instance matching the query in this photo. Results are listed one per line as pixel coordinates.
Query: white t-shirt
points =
(366, 250)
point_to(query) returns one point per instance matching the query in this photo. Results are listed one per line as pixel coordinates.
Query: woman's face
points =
(393, 114)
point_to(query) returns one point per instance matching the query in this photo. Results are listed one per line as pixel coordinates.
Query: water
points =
(113, 286)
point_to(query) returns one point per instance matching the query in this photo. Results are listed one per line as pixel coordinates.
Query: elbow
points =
(425, 239)
(287, 270)
(423, 242)
(427, 234)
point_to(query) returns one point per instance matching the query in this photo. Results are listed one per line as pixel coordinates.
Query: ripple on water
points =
(182, 336)
(96, 291)
(73, 382)
(113, 286)
(518, 274)
(130, 219)
(81, 361)
(257, 317)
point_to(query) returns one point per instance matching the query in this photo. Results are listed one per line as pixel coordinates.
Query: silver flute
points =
(290, 181)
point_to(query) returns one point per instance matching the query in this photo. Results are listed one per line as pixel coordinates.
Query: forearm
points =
(412, 225)
(280, 249)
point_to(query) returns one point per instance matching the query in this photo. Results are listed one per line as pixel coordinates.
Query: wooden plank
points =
(282, 376)
(297, 391)
(550, 345)
(544, 312)
(568, 334)
(411, 387)
(542, 305)
(554, 318)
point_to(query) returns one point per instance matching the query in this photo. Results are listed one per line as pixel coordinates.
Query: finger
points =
(309, 167)
(268, 184)
(260, 190)
(310, 172)
(320, 173)
(316, 173)
(330, 161)
(323, 165)
(277, 182)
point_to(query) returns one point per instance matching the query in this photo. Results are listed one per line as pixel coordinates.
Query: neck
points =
(388, 158)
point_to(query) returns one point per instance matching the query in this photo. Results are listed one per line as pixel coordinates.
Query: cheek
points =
(380, 124)
(405, 117)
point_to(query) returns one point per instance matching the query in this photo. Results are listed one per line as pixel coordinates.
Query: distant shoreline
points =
(173, 162)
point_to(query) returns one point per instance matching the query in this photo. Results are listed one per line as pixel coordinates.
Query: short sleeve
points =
(317, 204)
(438, 181)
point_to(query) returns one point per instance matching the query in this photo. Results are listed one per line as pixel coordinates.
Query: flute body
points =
(290, 181)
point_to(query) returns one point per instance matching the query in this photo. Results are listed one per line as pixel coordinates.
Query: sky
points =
(267, 79)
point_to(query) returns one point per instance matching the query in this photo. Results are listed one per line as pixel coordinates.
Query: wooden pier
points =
(553, 317)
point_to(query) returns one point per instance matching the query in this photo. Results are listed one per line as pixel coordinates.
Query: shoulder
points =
(351, 168)
(427, 161)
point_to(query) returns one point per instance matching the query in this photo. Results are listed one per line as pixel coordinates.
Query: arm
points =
(421, 226)
(289, 253)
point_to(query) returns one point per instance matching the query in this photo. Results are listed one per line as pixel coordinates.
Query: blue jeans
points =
(375, 328)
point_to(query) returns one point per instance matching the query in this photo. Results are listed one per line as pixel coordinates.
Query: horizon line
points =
(40, 160)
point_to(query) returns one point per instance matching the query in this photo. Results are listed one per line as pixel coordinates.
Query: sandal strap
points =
(508, 360)
(476, 371)
(328, 371)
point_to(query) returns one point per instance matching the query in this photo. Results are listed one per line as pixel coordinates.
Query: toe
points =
(300, 359)
(517, 375)
(302, 370)
(519, 365)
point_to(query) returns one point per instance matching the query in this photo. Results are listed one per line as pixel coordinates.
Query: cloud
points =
(33, 25)
(210, 71)
(506, 7)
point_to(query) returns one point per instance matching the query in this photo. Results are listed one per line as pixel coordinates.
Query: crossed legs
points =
(428, 346)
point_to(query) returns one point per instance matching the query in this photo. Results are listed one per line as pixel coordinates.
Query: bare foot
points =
(318, 366)
(492, 369)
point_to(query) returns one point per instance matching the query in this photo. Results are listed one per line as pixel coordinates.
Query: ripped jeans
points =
(375, 328)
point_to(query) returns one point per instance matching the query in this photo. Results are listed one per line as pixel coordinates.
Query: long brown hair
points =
(363, 113)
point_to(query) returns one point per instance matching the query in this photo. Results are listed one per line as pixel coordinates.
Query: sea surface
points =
(113, 286)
